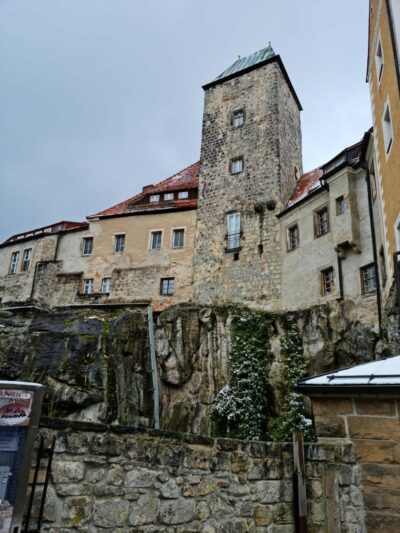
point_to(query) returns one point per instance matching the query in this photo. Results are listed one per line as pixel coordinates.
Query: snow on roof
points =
(57, 227)
(382, 373)
(308, 182)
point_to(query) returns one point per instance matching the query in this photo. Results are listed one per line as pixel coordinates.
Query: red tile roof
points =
(185, 180)
(305, 185)
(64, 225)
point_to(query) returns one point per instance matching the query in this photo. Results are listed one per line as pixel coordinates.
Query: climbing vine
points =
(293, 412)
(239, 409)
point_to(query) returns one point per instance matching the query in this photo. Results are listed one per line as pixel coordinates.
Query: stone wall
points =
(122, 480)
(372, 424)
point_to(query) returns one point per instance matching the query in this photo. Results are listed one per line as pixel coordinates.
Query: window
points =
(26, 260)
(293, 240)
(155, 240)
(167, 286)
(178, 237)
(327, 281)
(383, 266)
(387, 128)
(233, 223)
(119, 243)
(368, 279)
(379, 60)
(238, 119)
(340, 205)
(183, 194)
(14, 262)
(237, 165)
(87, 245)
(169, 196)
(321, 220)
(154, 197)
(88, 285)
(106, 285)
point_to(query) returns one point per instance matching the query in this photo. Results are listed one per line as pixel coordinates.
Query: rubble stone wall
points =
(109, 479)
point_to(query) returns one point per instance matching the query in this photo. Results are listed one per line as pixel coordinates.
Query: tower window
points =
(167, 286)
(387, 128)
(178, 238)
(155, 240)
(119, 243)
(233, 237)
(87, 246)
(321, 222)
(237, 165)
(88, 286)
(26, 260)
(368, 279)
(293, 239)
(379, 60)
(340, 205)
(14, 262)
(238, 118)
(327, 281)
(106, 285)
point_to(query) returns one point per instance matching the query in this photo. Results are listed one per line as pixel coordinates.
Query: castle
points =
(243, 225)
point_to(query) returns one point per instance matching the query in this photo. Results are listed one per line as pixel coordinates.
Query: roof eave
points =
(149, 212)
(352, 389)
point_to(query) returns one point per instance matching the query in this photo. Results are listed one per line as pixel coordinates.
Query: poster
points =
(15, 407)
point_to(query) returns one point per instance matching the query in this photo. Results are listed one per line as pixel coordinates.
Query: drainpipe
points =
(374, 250)
(154, 376)
(340, 271)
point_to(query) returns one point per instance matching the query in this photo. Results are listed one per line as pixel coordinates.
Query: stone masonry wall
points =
(109, 479)
(255, 278)
(372, 425)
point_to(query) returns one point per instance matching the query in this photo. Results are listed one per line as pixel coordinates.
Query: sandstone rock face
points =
(95, 361)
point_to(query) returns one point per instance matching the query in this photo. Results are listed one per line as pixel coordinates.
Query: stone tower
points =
(251, 156)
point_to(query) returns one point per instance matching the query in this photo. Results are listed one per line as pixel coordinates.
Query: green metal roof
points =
(246, 62)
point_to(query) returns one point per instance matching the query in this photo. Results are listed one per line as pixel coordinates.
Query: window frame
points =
(232, 164)
(108, 278)
(84, 241)
(168, 197)
(317, 225)
(238, 113)
(289, 246)
(168, 291)
(174, 232)
(379, 60)
(340, 202)
(26, 262)
(233, 237)
(366, 280)
(88, 282)
(324, 288)
(154, 198)
(14, 265)
(151, 239)
(181, 193)
(116, 237)
(387, 128)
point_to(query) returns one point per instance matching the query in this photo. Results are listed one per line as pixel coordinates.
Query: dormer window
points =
(237, 165)
(183, 194)
(169, 196)
(154, 197)
(238, 118)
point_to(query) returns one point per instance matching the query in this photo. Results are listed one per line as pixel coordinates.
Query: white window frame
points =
(387, 128)
(116, 236)
(14, 262)
(168, 196)
(152, 232)
(379, 60)
(26, 260)
(174, 232)
(238, 118)
(106, 285)
(88, 286)
(182, 195)
(233, 226)
(237, 165)
(154, 197)
(84, 240)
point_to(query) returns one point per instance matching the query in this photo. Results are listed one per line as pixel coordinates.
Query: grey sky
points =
(99, 97)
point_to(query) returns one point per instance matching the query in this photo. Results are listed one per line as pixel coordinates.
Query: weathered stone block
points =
(178, 512)
(332, 406)
(369, 427)
(377, 407)
(110, 513)
(330, 426)
(67, 472)
(144, 511)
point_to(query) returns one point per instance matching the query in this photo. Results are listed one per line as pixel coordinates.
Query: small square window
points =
(167, 286)
(178, 237)
(106, 285)
(155, 240)
(183, 194)
(340, 205)
(368, 279)
(237, 165)
(169, 196)
(14, 262)
(327, 281)
(238, 119)
(293, 238)
(154, 197)
(387, 129)
(87, 245)
(119, 243)
(321, 222)
(88, 286)
(26, 260)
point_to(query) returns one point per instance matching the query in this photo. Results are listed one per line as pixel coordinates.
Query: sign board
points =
(20, 405)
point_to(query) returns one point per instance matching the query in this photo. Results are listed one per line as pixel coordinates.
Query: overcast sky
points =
(100, 97)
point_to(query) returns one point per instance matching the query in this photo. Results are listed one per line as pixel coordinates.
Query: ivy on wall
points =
(239, 410)
(293, 410)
